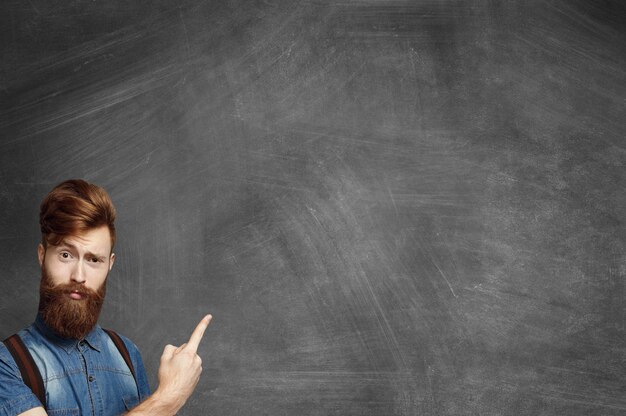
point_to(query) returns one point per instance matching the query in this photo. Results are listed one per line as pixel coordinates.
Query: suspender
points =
(30, 371)
(27, 366)
(122, 349)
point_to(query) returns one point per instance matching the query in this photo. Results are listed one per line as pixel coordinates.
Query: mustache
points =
(55, 291)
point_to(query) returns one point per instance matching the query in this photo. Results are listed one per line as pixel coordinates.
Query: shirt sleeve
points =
(15, 396)
(140, 372)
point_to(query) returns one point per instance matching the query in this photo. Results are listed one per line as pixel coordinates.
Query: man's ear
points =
(41, 253)
(111, 261)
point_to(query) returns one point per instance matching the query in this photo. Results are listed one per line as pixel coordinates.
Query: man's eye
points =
(95, 260)
(65, 255)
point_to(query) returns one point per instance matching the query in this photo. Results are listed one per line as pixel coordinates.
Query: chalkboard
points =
(389, 207)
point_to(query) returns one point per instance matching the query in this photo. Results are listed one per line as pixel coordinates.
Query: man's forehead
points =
(96, 239)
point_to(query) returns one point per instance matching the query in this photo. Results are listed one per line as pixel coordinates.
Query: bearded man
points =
(76, 367)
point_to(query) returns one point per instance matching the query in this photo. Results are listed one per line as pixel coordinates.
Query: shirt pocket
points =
(63, 412)
(130, 401)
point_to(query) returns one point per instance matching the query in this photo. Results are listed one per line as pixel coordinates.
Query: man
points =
(82, 369)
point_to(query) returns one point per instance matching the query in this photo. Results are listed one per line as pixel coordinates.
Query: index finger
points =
(196, 336)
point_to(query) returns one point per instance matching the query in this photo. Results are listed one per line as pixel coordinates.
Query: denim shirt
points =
(85, 378)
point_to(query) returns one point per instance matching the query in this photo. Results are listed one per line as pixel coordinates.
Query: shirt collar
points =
(92, 339)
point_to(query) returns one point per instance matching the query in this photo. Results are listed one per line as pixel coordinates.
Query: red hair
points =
(72, 207)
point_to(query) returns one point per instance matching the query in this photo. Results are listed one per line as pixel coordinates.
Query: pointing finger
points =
(197, 334)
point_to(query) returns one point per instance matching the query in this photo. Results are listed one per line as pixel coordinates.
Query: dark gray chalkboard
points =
(390, 207)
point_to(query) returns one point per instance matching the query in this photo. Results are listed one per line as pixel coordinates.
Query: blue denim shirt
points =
(85, 378)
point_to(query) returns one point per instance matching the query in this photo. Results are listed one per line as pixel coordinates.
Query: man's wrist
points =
(170, 402)
(159, 403)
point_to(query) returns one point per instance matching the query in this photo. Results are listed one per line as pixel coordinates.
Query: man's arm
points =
(179, 373)
(37, 411)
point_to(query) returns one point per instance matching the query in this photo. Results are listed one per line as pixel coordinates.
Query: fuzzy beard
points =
(69, 318)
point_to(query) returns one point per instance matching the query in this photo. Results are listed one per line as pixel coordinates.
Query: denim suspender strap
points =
(28, 368)
(123, 351)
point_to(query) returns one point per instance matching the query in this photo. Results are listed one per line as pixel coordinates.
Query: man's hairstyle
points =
(73, 207)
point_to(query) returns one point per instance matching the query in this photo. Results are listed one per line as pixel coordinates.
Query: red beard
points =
(67, 317)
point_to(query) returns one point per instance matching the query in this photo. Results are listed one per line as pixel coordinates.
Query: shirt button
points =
(82, 343)
(91, 378)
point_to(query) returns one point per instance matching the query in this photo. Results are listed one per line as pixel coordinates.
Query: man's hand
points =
(179, 373)
(181, 367)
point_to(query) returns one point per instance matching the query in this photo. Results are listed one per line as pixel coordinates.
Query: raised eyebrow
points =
(64, 245)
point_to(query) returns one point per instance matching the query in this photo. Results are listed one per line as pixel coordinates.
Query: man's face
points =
(83, 259)
(73, 281)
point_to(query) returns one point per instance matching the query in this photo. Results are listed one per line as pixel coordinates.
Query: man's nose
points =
(78, 274)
